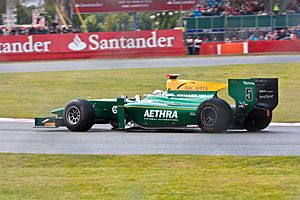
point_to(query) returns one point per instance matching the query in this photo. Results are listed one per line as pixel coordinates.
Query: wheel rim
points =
(73, 115)
(208, 116)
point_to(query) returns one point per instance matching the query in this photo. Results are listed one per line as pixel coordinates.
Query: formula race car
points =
(185, 104)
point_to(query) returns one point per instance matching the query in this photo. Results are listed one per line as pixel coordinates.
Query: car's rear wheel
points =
(79, 115)
(214, 116)
(257, 120)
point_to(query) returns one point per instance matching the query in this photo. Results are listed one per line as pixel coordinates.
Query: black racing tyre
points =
(79, 115)
(214, 116)
(257, 120)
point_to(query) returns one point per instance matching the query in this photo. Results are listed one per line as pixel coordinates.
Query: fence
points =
(217, 25)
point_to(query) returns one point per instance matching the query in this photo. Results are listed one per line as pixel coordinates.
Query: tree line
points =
(99, 22)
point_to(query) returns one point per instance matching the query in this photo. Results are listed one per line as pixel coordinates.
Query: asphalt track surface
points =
(95, 64)
(22, 138)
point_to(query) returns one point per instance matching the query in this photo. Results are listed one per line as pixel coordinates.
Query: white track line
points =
(20, 120)
(284, 124)
(16, 120)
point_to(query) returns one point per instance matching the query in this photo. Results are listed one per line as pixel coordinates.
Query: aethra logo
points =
(169, 114)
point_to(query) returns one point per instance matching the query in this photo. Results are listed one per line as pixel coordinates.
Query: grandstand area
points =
(197, 16)
(211, 27)
(79, 29)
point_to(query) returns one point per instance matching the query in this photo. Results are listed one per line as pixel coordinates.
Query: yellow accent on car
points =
(189, 85)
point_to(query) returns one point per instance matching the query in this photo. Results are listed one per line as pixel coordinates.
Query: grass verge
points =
(35, 94)
(148, 177)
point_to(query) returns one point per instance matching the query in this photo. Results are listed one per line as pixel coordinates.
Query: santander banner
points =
(102, 45)
(98, 6)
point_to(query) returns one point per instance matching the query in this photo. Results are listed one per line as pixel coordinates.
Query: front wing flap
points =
(49, 122)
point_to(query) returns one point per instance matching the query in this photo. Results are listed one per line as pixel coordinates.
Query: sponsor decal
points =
(195, 95)
(266, 96)
(242, 104)
(199, 88)
(30, 46)
(96, 43)
(161, 115)
(192, 114)
(135, 3)
(77, 44)
(50, 124)
(179, 2)
(248, 83)
(266, 91)
(64, 46)
(89, 5)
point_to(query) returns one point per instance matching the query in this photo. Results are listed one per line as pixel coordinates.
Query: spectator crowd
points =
(193, 42)
(239, 7)
(30, 30)
(283, 34)
(202, 8)
(293, 7)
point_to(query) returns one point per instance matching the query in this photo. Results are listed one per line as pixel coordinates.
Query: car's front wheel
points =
(79, 115)
(114, 124)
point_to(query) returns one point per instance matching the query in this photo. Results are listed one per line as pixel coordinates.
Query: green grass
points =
(148, 177)
(35, 94)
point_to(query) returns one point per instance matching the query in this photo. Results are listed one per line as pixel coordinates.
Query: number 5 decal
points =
(249, 94)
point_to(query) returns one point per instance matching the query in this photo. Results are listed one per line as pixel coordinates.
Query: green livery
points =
(184, 104)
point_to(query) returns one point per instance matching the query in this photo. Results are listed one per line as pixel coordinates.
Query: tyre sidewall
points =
(223, 118)
(86, 120)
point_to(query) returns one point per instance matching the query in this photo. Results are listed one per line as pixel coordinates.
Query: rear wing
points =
(254, 92)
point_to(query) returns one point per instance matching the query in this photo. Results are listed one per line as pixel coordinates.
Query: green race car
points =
(186, 103)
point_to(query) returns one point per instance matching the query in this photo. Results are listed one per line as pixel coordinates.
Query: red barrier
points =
(209, 48)
(92, 45)
(274, 46)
